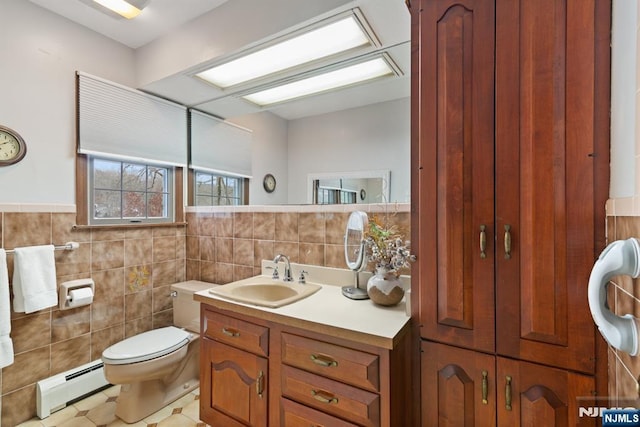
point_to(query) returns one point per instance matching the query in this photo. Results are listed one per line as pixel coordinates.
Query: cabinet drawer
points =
(236, 332)
(335, 398)
(295, 415)
(332, 361)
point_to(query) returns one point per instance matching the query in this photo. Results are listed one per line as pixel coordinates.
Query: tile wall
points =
(225, 246)
(133, 269)
(624, 370)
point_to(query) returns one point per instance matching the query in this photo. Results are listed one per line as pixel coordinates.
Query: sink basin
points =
(266, 292)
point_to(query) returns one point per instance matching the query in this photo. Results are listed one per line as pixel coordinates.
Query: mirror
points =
(355, 252)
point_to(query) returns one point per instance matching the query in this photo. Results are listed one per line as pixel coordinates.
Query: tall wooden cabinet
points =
(509, 181)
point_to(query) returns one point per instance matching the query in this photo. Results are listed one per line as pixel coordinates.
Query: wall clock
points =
(12, 146)
(269, 183)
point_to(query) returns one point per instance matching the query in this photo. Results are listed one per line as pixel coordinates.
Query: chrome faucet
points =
(287, 267)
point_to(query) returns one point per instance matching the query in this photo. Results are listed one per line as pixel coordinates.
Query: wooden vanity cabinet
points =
(234, 371)
(308, 378)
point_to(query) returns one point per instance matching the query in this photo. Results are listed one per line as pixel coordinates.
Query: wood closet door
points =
(535, 395)
(452, 163)
(458, 387)
(545, 113)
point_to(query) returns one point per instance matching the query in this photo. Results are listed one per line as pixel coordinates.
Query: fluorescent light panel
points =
(330, 39)
(120, 7)
(342, 77)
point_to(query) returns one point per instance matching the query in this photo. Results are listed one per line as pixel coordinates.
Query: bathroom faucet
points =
(287, 267)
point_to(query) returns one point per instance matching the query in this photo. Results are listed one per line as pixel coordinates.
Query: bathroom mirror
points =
(354, 252)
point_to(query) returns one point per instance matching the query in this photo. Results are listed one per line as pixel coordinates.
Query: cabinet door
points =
(535, 395)
(457, 387)
(233, 386)
(545, 109)
(452, 170)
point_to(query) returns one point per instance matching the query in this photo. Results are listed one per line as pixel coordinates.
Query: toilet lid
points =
(145, 346)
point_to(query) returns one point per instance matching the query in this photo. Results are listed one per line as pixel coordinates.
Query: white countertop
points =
(328, 311)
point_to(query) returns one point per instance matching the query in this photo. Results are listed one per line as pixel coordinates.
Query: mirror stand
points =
(354, 253)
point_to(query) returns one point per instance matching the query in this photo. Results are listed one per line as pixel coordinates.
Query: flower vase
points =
(385, 288)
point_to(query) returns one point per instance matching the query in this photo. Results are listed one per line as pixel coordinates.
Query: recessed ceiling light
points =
(127, 9)
(337, 36)
(372, 69)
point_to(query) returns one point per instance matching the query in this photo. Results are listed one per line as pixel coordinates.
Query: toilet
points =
(156, 367)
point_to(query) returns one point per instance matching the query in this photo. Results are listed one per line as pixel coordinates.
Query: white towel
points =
(34, 279)
(6, 345)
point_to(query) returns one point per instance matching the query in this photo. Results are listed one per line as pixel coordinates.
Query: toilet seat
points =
(146, 346)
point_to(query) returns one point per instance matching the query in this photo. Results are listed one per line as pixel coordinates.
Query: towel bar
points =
(69, 246)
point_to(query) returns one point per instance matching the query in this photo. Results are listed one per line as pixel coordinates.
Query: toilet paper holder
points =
(68, 289)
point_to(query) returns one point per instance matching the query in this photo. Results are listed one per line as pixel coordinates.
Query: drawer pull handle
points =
(483, 241)
(322, 360)
(230, 332)
(323, 396)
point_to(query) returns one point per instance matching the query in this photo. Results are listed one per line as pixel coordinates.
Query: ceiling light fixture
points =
(320, 42)
(127, 9)
(342, 77)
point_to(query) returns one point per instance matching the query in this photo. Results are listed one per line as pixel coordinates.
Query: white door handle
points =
(621, 257)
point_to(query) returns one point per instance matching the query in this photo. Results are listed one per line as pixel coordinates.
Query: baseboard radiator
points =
(56, 392)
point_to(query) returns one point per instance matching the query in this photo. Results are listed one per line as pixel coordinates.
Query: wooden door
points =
(531, 395)
(233, 386)
(452, 170)
(545, 163)
(458, 387)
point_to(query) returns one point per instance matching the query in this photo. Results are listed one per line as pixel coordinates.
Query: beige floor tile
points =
(60, 416)
(91, 402)
(192, 410)
(78, 422)
(177, 420)
(103, 414)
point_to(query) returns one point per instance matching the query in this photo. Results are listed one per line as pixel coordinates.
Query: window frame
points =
(84, 211)
(191, 187)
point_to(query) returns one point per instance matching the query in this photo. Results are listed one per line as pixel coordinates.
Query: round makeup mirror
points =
(354, 252)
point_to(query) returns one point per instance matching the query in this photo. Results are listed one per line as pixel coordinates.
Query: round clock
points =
(269, 183)
(12, 146)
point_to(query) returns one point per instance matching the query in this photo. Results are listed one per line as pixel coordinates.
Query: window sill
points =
(136, 225)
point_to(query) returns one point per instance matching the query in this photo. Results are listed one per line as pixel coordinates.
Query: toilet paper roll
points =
(79, 297)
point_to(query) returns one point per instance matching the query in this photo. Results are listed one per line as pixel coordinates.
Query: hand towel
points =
(6, 345)
(34, 279)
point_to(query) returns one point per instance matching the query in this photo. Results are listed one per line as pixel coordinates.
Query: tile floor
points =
(98, 410)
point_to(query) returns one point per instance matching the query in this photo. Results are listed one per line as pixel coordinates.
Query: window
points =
(123, 192)
(218, 190)
(331, 196)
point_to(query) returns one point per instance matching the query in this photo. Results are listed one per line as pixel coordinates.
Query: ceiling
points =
(389, 20)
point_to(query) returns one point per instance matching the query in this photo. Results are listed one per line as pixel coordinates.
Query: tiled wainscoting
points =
(134, 267)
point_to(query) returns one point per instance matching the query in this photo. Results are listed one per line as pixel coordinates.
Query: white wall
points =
(624, 99)
(41, 53)
(374, 137)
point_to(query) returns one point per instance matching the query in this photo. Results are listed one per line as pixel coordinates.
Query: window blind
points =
(220, 147)
(127, 124)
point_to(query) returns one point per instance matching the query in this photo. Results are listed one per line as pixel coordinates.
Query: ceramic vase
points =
(384, 288)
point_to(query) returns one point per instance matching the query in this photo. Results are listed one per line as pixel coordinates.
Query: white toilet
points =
(159, 366)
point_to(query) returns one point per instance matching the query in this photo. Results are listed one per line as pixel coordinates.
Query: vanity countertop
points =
(329, 312)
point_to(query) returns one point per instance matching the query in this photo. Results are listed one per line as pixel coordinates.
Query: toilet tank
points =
(186, 311)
